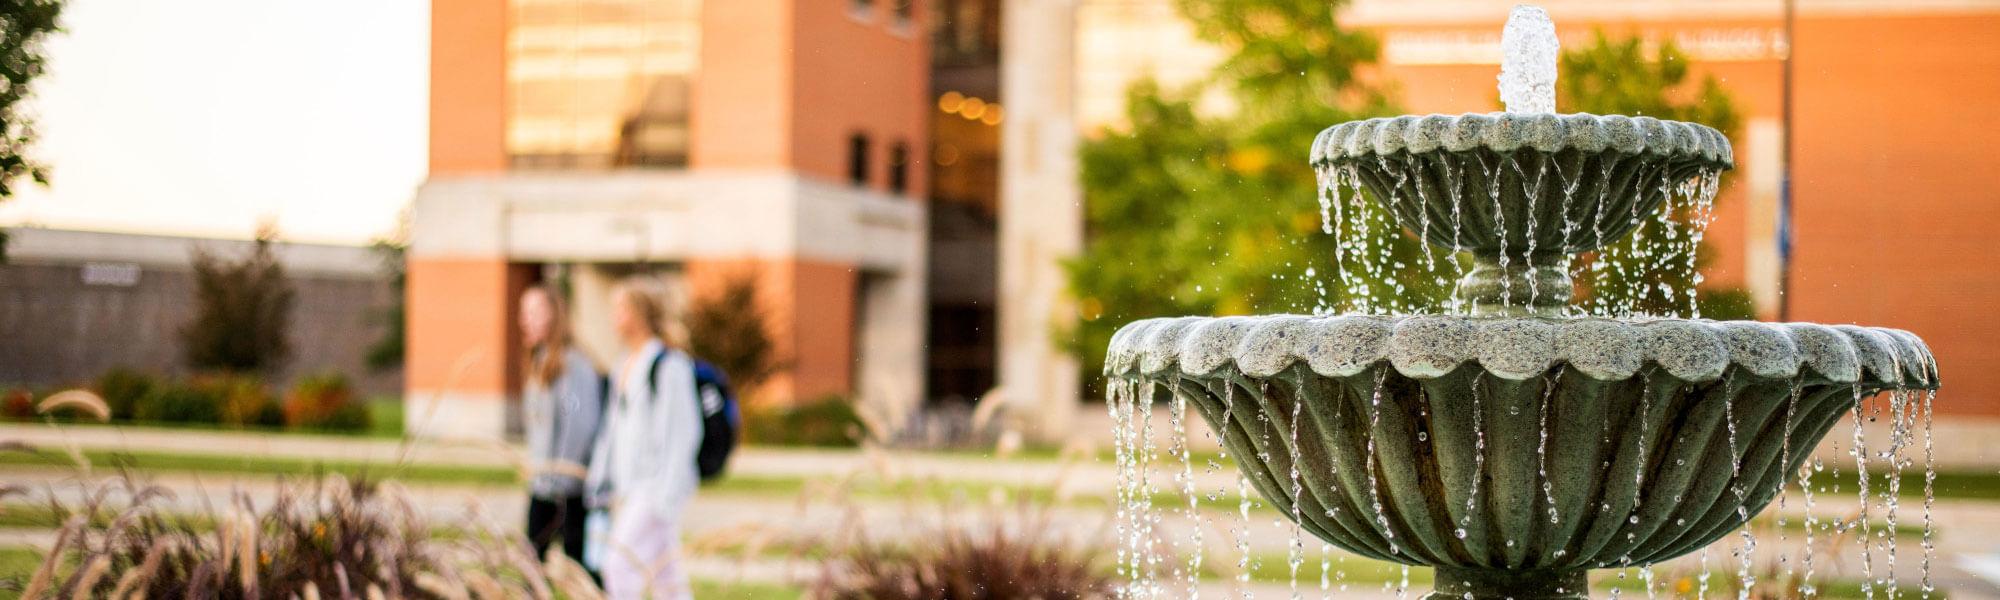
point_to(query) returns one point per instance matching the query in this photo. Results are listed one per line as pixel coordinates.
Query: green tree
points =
(1194, 213)
(24, 26)
(242, 311)
(387, 351)
(1620, 77)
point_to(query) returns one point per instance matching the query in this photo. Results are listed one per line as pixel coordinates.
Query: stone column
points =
(1041, 212)
(890, 377)
(590, 314)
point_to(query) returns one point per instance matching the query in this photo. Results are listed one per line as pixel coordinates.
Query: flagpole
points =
(1784, 225)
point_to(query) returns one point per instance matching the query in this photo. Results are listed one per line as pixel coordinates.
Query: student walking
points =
(643, 472)
(562, 403)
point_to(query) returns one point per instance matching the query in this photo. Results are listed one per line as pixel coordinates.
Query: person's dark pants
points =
(550, 518)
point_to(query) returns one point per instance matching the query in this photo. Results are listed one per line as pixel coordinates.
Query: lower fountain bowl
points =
(1520, 450)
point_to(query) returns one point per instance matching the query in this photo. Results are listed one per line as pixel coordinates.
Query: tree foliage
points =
(24, 26)
(727, 328)
(1193, 213)
(386, 353)
(243, 309)
(1618, 76)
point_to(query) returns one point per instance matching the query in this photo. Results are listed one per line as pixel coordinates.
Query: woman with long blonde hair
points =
(562, 403)
(643, 473)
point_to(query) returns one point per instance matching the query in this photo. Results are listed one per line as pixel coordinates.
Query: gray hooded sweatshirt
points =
(561, 422)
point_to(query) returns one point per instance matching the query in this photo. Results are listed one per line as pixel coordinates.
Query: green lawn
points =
(174, 462)
(385, 420)
(730, 590)
(1960, 485)
(385, 417)
(17, 565)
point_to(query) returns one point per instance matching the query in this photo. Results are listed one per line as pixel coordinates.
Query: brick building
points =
(688, 140)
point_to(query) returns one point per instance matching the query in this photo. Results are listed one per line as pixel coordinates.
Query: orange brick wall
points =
(461, 327)
(785, 83)
(468, 108)
(741, 110)
(1896, 199)
(860, 75)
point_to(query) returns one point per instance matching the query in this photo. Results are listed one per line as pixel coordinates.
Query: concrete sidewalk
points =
(749, 461)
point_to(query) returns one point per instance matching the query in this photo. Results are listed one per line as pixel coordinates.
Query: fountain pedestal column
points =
(1523, 288)
(1485, 584)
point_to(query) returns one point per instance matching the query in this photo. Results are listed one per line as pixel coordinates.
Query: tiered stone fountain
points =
(1513, 447)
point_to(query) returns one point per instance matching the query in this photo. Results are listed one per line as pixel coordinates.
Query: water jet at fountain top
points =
(1529, 48)
(1514, 447)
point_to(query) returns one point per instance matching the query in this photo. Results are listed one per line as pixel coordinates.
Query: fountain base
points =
(1487, 584)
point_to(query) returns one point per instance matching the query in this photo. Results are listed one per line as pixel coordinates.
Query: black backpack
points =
(719, 414)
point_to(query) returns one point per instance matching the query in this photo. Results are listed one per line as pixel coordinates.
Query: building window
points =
(899, 168)
(655, 132)
(600, 84)
(967, 32)
(857, 159)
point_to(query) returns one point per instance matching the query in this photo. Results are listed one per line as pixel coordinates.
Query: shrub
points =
(325, 401)
(727, 329)
(827, 422)
(123, 388)
(352, 416)
(245, 401)
(17, 404)
(1000, 562)
(387, 351)
(170, 403)
(1727, 304)
(242, 310)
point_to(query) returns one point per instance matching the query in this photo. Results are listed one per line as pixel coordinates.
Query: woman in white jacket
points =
(643, 471)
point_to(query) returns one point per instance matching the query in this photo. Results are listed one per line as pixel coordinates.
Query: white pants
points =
(642, 560)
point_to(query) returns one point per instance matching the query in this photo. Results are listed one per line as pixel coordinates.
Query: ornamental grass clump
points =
(324, 538)
(123, 537)
(1014, 556)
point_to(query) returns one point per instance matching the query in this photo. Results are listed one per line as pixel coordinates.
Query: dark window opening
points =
(857, 159)
(899, 168)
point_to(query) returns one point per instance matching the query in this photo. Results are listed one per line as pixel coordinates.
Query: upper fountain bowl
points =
(1556, 184)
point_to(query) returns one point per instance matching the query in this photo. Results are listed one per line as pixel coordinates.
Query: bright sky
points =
(206, 117)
